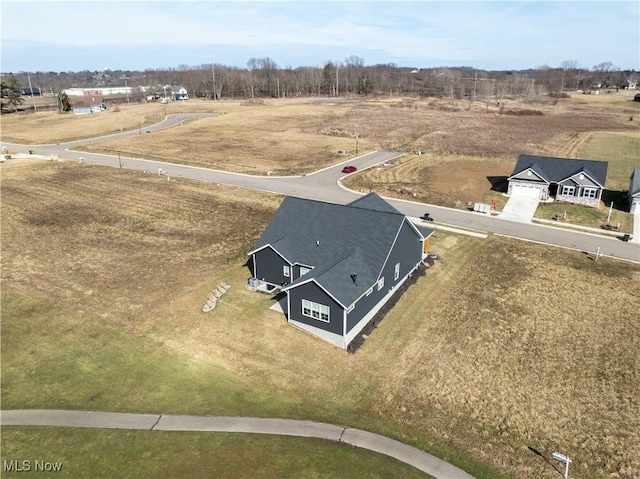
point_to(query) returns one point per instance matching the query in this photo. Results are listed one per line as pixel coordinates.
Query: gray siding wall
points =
(268, 266)
(312, 292)
(364, 305)
(408, 252)
(585, 181)
(532, 178)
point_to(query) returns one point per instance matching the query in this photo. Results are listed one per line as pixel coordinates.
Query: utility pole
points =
(213, 79)
(475, 84)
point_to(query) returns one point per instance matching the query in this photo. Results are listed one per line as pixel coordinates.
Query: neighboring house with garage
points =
(634, 192)
(569, 180)
(337, 264)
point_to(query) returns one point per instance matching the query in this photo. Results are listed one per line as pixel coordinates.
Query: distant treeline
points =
(263, 78)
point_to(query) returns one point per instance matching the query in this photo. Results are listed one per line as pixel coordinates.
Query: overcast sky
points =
(505, 35)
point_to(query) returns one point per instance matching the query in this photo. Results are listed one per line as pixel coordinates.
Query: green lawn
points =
(585, 216)
(85, 364)
(87, 453)
(621, 151)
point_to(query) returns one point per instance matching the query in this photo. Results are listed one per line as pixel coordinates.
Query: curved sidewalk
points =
(287, 427)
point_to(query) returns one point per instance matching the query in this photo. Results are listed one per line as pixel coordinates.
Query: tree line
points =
(263, 78)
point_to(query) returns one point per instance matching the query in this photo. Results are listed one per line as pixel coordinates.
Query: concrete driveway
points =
(519, 208)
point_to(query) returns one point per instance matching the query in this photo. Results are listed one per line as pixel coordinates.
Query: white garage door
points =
(525, 191)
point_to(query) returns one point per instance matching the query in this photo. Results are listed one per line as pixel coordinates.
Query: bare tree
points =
(603, 73)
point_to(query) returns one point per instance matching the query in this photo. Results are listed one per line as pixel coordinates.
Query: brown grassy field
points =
(469, 148)
(104, 274)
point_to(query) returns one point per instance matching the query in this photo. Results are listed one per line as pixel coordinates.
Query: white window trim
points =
(592, 193)
(304, 270)
(568, 190)
(396, 272)
(381, 283)
(286, 271)
(318, 308)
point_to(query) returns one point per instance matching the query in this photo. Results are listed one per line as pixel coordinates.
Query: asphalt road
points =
(324, 185)
(421, 460)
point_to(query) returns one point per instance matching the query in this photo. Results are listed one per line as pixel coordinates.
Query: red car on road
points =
(349, 169)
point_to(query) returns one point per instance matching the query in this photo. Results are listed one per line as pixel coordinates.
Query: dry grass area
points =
(105, 239)
(529, 347)
(469, 153)
(452, 180)
(281, 137)
(452, 128)
(492, 352)
(47, 127)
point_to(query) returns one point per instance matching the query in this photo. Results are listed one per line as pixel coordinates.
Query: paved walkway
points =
(287, 427)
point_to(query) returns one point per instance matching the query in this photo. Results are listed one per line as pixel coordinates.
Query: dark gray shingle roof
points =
(557, 169)
(337, 240)
(373, 202)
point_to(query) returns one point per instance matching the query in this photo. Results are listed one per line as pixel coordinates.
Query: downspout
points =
(344, 326)
(253, 259)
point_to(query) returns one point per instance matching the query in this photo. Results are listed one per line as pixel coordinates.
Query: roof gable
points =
(373, 202)
(532, 173)
(345, 279)
(555, 170)
(583, 178)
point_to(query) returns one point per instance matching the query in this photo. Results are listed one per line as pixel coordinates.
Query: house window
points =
(304, 270)
(568, 191)
(381, 283)
(396, 272)
(590, 193)
(315, 310)
(286, 271)
(369, 291)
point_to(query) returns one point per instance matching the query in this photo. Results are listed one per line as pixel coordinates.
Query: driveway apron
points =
(520, 208)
